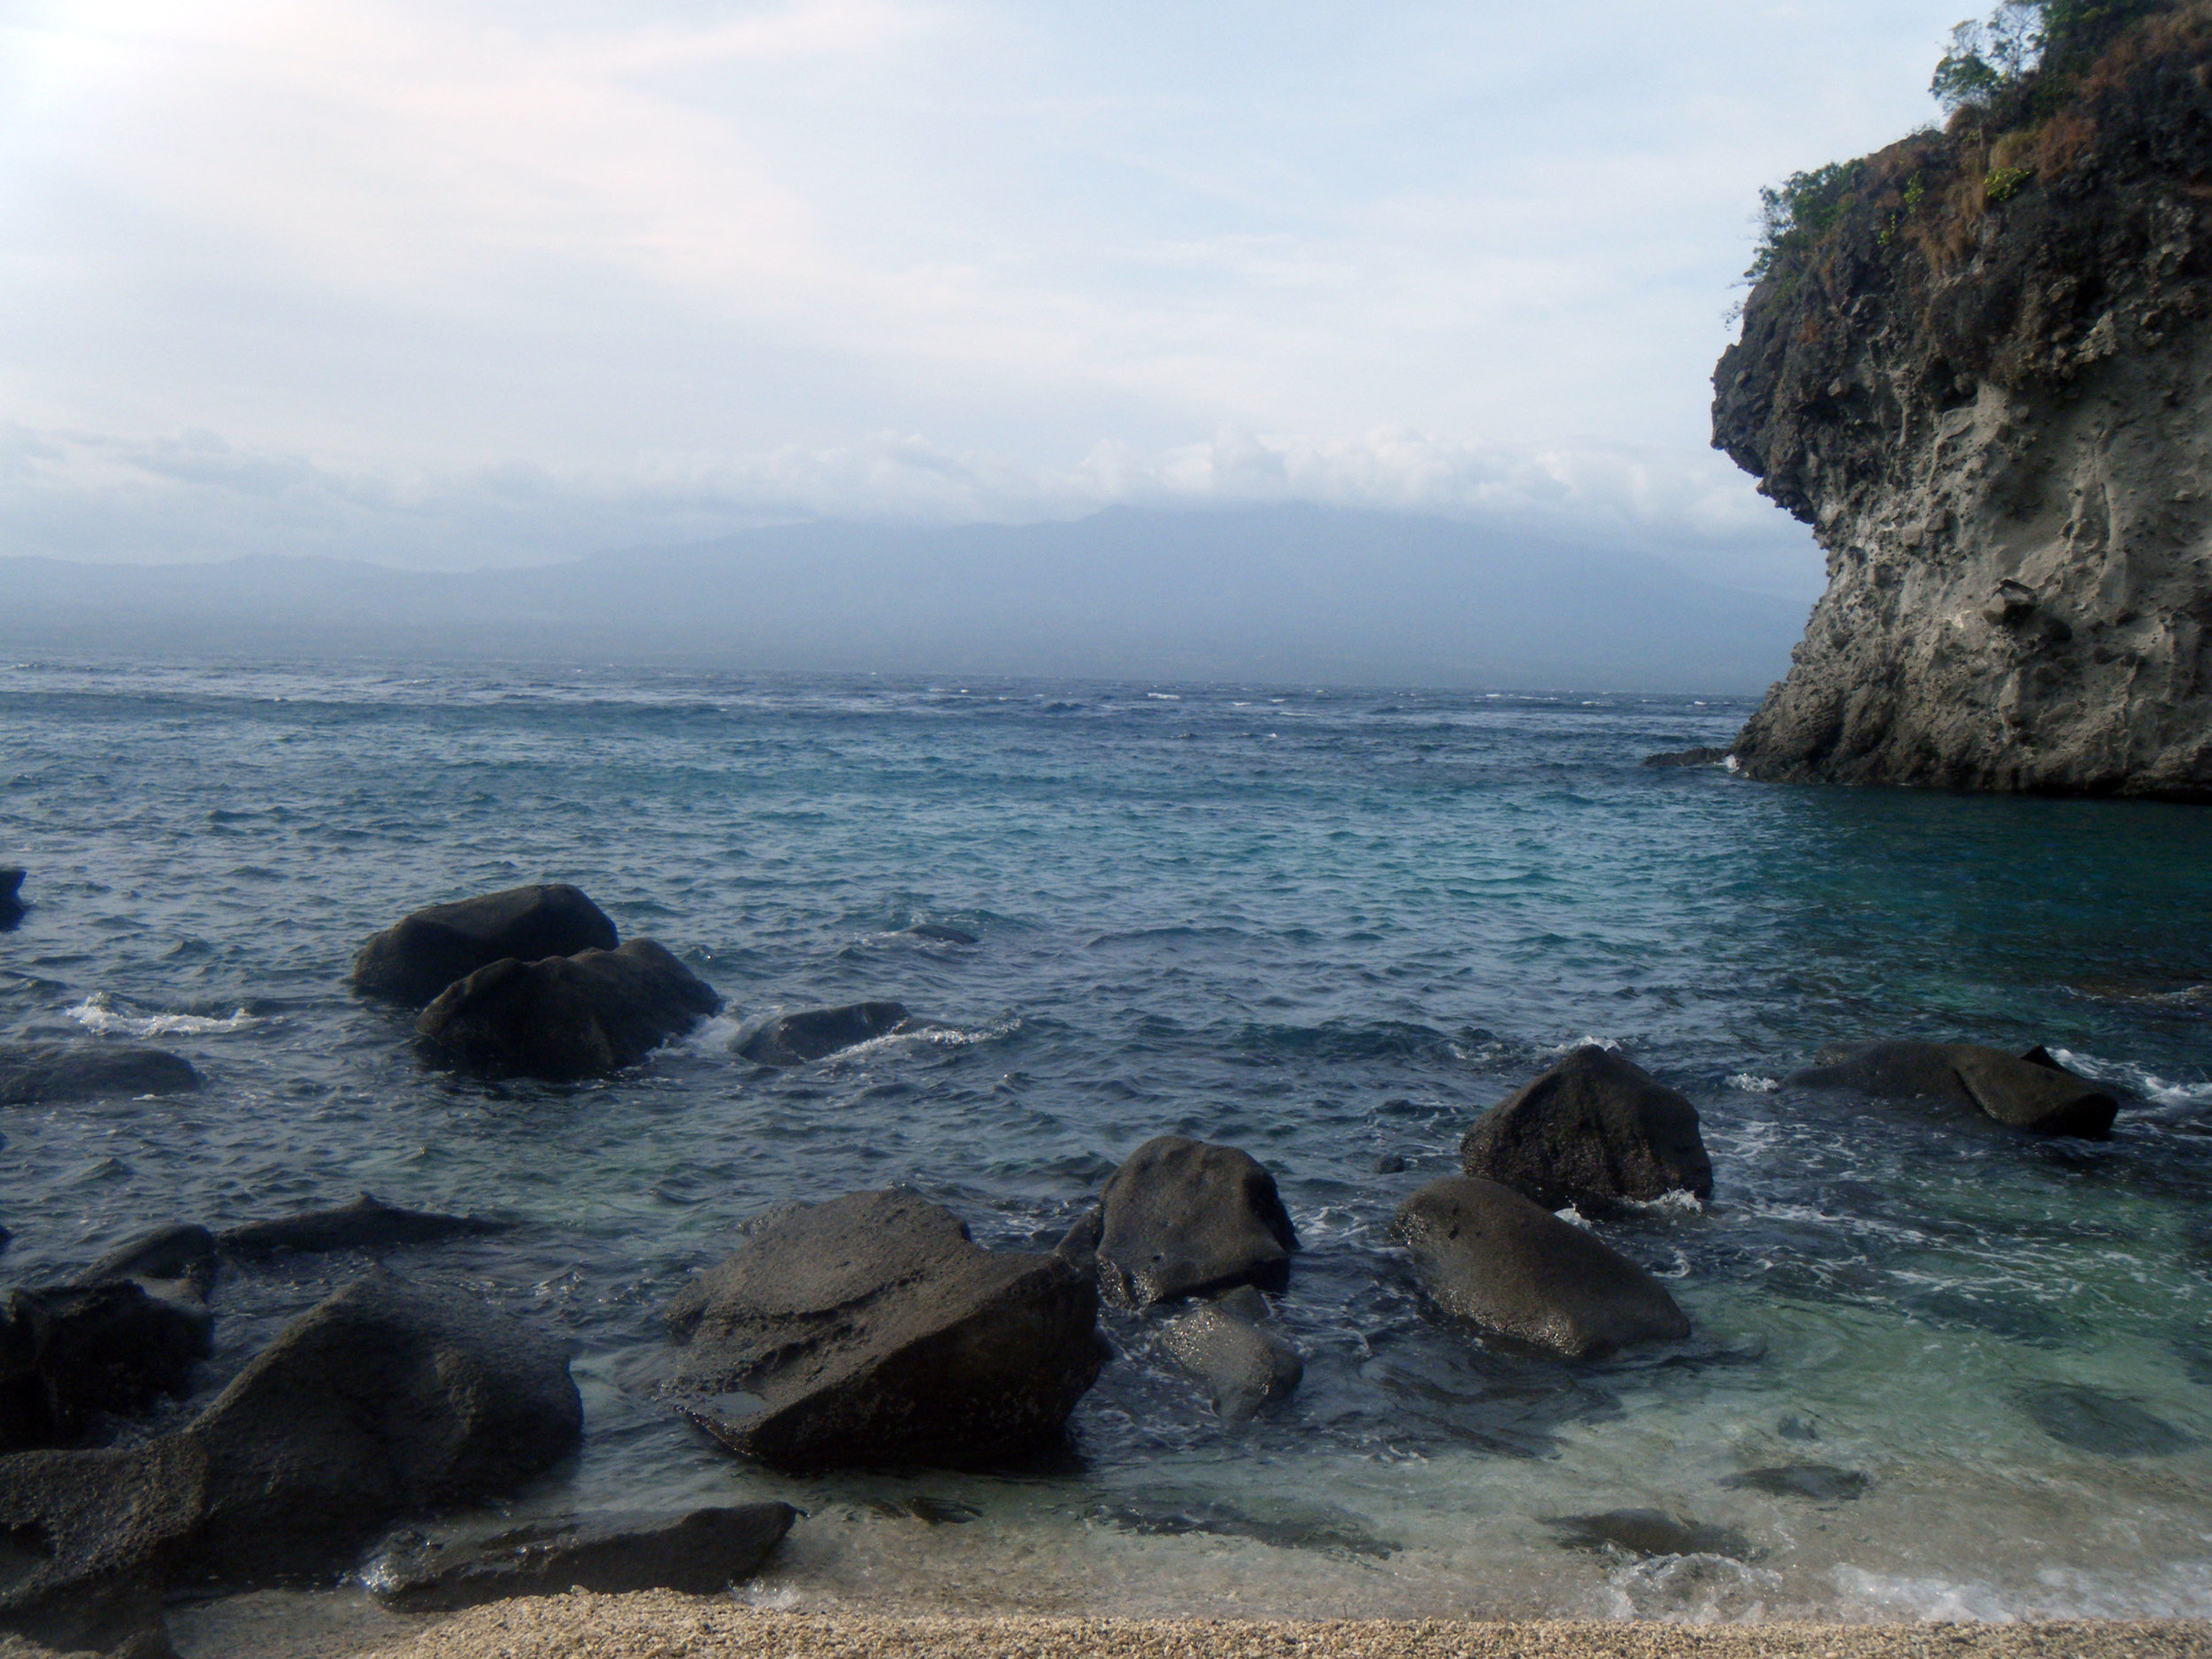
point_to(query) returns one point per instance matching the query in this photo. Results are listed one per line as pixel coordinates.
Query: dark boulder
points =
(2031, 1092)
(42, 1073)
(702, 1553)
(1512, 1268)
(10, 895)
(367, 1223)
(872, 1331)
(1594, 1128)
(563, 1017)
(385, 1400)
(70, 1351)
(89, 1539)
(1182, 1216)
(938, 934)
(814, 1034)
(1246, 1368)
(1700, 757)
(180, 1252)
(418, 957)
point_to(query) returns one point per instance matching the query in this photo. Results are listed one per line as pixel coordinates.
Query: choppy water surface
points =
(1327, 926)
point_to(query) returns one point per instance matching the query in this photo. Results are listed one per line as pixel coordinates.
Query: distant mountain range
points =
(1277, 593)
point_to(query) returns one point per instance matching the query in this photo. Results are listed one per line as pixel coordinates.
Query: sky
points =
(465, 283)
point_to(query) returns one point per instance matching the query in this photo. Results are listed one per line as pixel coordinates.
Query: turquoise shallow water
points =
(1328, 927)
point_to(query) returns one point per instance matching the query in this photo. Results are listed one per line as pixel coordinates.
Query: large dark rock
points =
(180, 1253)
(872, 1331)
(1594, 1128)
(1246, 1367)
(89, 1539)
(70, 1351)
(386, 1399)
(814, 1034)
(1677, 757)
(1512, 1268)
(563, 1018)
(702, 1553)
(367, 1223)
(2031, 1092)
(43, 1073)
(1181, 1216)
(417, 957)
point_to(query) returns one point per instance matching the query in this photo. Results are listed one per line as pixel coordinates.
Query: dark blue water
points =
(1329, 926)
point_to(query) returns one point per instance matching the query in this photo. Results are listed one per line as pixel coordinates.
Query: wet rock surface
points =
(1488, 1255)
(815, 1033)
(1246, 1368)
(40, 1074)
(417, 957)
(2030, 1091)
(1701, 756)
(1594, 1129)
(364, 1224)
(564, 1017)
(71, 1352)
(1181, 1216)
(871, 1330)
(702, 1553)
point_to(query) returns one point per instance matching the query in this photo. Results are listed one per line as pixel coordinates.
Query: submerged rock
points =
(1823, 1482)
(1647, 1533)
(386, 1399)
(2031, 1092)
(702, 1553)
(10, 895)
(1181, 1216)
(2093, 1420)
(939, 933)
(563, 1017)
(417, 957)
(871, 1330)
(1512, 1268)
(364, 1224)
(1321, 1528)
(814, 1034)
(71, 1351)
(1246, 1368)
(42, 1073)
(1594, 1128)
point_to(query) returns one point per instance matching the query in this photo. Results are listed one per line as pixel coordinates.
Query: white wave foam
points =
(945, 1036)
(1163, 696)
(2135, 1079)
(97, 1012)
(1752, 1083)
(1607, 1044)
(1732, 764)
(1680, 1202)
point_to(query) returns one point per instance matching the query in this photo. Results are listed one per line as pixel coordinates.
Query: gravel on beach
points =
(657, 1624)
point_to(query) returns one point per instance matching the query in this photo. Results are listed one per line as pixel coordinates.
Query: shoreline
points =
(661, 1624)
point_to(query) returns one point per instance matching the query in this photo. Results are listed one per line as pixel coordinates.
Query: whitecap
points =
(1752, 1083)
(98, 1012)
(1607, 1044)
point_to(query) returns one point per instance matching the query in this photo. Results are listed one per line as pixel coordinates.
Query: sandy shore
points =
(661, 1625)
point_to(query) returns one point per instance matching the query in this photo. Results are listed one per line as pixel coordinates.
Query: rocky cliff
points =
(1981, 369)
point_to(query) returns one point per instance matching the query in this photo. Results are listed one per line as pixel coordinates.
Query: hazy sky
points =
(474, 282)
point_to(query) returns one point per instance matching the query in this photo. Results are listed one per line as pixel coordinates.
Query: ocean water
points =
(1329, 926)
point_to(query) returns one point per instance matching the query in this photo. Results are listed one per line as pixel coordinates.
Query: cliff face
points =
(1988, 388)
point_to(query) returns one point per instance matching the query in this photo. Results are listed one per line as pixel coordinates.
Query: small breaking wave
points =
(1610, 1045)
(98, 1013)
(1752, 1083)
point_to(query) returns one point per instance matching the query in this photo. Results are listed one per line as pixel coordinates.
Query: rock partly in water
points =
(88, 1539)
(1246, 1368)
(702, 1553)
(564, 1017)
(417, 957)
(1700, 757)
(180, 1252)
(814, 1034)
(1513, 1270)
(386, 1399)
(939, 933)
(2031, 1092)
(1594, 1129)
(10, 895)
(46, 1073)
(1980, 380)
(1648, 1532)
(367, 1223)
(1182, 1217)
(72, 1351)
(871, 1330)
(1823, 1482)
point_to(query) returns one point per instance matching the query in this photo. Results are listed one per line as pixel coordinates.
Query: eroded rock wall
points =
(1995, 407)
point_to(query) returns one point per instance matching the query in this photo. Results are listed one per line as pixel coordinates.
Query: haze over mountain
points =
(1274, 594)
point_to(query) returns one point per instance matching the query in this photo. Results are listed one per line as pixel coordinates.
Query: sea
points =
(1939, 1370)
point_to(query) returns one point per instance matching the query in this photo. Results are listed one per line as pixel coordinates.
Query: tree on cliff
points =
(2020, 40)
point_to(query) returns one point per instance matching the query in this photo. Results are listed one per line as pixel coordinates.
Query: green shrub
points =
(1799, 212)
